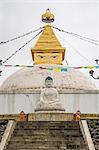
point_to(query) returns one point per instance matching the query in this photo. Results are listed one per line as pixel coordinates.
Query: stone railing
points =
(7, 134)
(3, 124)
(86, 135)
(94, 130)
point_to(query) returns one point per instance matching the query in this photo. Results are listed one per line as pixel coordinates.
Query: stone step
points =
(48, 148)
(45, 141)
(45, 135)
(47, 127)
(58, 146)
(73, 147)
(47, 123)
(32, 138)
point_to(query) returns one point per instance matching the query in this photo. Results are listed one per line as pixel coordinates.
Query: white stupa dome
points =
(34, 78)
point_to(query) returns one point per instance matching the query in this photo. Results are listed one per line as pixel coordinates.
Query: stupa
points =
(49, 108)
(48, 55)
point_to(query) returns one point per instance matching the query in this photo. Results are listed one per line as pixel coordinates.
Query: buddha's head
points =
(48, 82)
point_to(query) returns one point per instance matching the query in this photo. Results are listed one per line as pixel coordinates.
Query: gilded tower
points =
(48, 49)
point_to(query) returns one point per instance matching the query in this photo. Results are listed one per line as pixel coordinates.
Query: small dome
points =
(48, 17)
(34, 78)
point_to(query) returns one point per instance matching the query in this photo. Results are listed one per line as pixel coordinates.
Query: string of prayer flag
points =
(55, 69)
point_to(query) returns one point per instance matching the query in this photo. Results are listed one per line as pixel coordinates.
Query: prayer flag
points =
(57, 69)
(64, 69)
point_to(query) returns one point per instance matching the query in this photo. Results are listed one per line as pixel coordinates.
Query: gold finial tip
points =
(48, 17)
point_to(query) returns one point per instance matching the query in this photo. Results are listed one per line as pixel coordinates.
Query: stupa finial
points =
(48, 17)
(48, 49)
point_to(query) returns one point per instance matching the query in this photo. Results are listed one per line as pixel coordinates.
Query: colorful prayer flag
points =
(64, 69)
(57, 69)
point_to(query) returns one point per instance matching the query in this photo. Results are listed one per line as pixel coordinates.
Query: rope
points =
(76, 50)
(41, 67)
(80, 54)
(4, 42)
(66, 62)
(20, 48)
(79, 36)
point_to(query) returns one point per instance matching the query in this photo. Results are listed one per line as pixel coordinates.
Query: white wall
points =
(14, 103)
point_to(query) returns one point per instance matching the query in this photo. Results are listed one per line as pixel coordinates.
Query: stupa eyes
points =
(54, 56)
(40, 56)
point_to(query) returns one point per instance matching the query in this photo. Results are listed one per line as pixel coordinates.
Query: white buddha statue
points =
(49, 98)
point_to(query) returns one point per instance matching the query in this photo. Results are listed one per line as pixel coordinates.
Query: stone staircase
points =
(47, 135)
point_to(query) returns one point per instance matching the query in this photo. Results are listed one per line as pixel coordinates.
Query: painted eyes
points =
(54, 56)
(39, 56)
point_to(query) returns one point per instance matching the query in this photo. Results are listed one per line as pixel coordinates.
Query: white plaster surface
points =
(34, 78)
(21, 91)
(12, 103)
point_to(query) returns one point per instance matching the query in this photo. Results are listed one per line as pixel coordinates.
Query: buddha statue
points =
(49, 98)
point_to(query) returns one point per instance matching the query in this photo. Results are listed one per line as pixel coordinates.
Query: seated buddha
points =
(49, 98)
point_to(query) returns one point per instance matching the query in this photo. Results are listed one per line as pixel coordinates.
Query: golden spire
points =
(48, 49)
